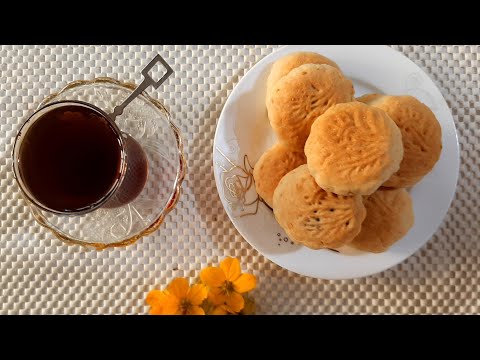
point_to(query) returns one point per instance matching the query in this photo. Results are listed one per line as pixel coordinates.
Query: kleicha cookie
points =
(353, 149)
(421, 136)
(291, 61)
(301, 96)
(313, 217)
(272, 166)
(389, 218)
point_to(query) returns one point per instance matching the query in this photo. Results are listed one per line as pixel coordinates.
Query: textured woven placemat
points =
(41, 275)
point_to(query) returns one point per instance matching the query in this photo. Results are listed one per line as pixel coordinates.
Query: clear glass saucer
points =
(148, 122)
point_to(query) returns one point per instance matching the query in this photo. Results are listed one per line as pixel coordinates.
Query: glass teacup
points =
(135, 200)
(69, 158)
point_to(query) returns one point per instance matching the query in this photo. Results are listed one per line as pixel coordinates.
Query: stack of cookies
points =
(339, 172)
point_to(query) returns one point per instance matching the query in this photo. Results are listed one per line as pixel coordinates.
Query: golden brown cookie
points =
(421, 134)
(272, 167)
(353, 149)
(314, 217)
(303, 95)
(291, 61)
(389, 218)
(367, 99)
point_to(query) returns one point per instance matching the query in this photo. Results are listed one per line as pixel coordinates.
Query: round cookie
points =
(301, 96)
(272, 167)
(389, 218)
(291, 61)
(314, 217)
(353, 149)
(367, 99)
(421, 135)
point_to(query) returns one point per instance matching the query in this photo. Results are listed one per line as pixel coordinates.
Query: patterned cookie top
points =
(421, 135)
(300, 97)
(272, 167)
(389, 217)
(314, 217)
(291, 61)
(353, 149)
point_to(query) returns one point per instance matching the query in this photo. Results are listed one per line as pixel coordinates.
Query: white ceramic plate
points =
(244, 133)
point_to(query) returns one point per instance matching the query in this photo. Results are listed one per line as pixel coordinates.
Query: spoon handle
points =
(147, 81)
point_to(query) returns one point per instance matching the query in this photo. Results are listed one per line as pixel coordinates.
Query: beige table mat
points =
(40, 275)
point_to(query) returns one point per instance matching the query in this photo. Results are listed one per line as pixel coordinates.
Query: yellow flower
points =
(154, 299)
(178, 299)
(214, 309)
(226, 284)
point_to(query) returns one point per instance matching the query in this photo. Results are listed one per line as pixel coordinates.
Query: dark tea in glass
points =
(70, 158)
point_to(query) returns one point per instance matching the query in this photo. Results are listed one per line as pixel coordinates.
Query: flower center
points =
(228, 288)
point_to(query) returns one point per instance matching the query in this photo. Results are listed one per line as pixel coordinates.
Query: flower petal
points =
(216, 296)
(170, 305)
(213, 277)
(235, 302)
(219, 310)
(178, 288)
(195, 310)
(154, 297)
(244, 283)
(156, 310)
(231, 268)
(197, 294)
